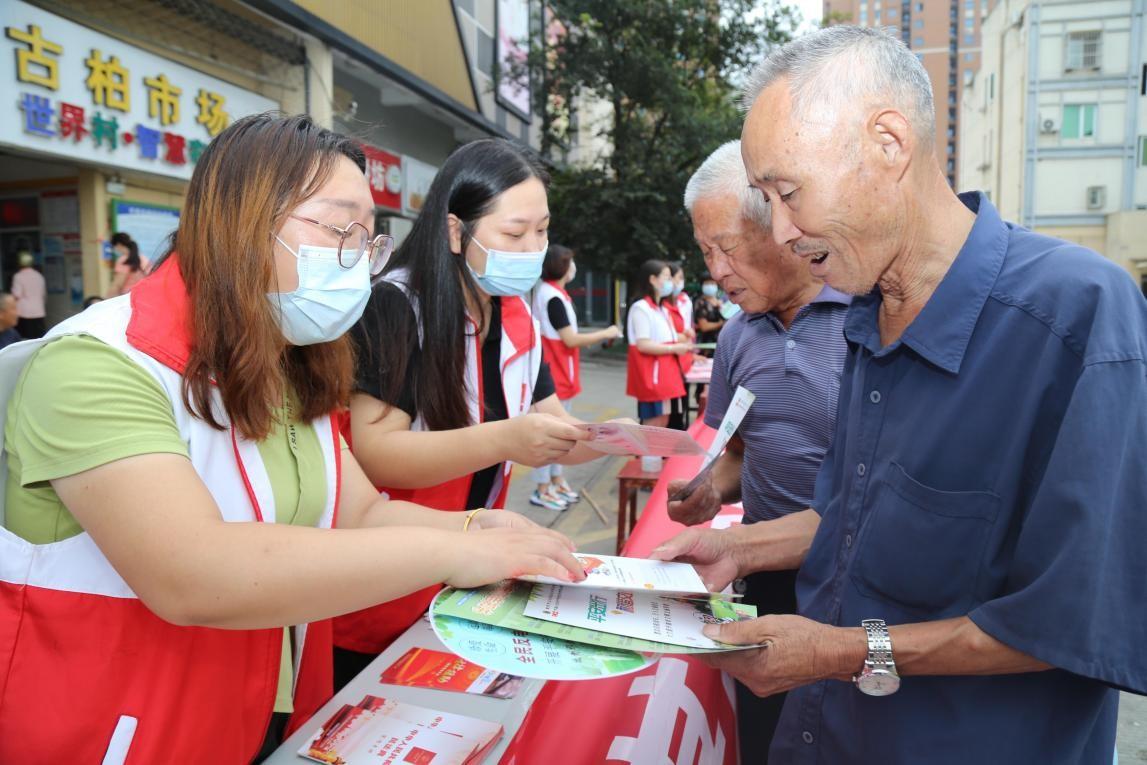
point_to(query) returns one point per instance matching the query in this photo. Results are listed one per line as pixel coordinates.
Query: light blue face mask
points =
(666, 287)
(729, 309)
(709, 290)
(328, 300)
(509, 274)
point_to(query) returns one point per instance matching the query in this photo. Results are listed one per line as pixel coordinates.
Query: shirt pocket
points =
(923, 548)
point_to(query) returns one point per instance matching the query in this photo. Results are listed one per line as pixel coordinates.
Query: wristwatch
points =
(878, 677)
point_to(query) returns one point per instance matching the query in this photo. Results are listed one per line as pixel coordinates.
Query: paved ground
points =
(603, 397)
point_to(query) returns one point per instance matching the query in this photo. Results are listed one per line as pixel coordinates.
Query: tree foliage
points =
(662, 74)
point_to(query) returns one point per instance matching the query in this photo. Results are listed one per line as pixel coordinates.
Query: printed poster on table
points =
(378, 731)
(441, 671)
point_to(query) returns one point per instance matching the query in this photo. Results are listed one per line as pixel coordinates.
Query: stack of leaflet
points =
(377, 730)
(621, 618)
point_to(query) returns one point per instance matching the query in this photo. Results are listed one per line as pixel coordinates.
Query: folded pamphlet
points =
(610, 572)
(640, 440)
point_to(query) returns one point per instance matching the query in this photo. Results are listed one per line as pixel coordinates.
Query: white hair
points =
(723, 174)
(850, 65)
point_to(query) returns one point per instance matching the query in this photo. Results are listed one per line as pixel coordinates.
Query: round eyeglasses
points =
(355, 241)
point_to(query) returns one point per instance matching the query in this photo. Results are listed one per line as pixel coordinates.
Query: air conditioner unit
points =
(1049, 123)
(1096, 197)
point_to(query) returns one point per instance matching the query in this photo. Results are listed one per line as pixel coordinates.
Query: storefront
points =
(102, 136)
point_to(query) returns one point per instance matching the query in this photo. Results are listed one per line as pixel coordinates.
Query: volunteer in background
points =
(451, 387)
(680, 308)
(172, 483)
(561, 349)
(653, 374)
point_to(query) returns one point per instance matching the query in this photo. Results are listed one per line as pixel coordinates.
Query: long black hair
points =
(467, 186)
(642, 286)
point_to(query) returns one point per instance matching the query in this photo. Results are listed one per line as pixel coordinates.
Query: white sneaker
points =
(548, 501)
(564, 492)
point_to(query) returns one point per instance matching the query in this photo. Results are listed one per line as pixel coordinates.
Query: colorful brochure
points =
(637, 614)
(503, 606)
(427, 668)
(378, 731)
(609, 572)
(530, 655)
(640, 440)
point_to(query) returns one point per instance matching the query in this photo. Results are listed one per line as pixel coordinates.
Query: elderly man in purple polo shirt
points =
(787, 347)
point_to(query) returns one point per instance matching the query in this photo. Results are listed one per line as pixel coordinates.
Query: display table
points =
(678, 710)
(631, 480)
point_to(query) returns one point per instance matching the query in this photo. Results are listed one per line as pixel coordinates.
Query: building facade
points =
(945, 36)
(1054, 126)
(111, 102)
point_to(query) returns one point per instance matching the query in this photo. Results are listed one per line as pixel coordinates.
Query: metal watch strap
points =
(879, 643)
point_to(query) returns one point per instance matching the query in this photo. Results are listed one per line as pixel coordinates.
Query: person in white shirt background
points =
(29, 289)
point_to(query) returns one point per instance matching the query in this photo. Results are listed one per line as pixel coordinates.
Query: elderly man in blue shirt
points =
(983, 503)
(787, 347)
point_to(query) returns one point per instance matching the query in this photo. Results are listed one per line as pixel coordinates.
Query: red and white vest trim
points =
(565, 362)
(88, 674)
(371, 630)
(648, 377)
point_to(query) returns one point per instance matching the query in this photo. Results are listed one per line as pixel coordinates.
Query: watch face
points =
(878, 682)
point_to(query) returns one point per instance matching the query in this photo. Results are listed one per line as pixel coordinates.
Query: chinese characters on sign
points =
(80, 90)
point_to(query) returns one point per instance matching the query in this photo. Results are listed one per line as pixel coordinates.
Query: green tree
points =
(666, 72)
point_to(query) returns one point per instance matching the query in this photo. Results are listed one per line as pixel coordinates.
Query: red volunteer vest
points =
(81, 655)
(565, 362)
(674, 308)
(653, 378)
(372, 629)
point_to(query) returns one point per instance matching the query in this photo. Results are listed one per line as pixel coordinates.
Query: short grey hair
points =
(723, 174)
(848, 64)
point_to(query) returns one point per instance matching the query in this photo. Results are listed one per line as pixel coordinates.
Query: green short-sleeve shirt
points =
(80, 403)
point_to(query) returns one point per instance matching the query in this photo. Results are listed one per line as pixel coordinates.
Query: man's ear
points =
(454, 226)
(894, 139)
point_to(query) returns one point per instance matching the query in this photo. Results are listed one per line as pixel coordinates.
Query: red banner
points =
(677, 711)
(384, 173)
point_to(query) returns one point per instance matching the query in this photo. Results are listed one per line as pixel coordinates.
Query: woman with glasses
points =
(451, 387)
(180, 517)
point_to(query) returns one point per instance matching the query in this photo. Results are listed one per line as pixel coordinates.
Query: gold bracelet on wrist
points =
(470, 516)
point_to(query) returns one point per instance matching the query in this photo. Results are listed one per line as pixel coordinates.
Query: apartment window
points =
(969, 56)
(891, 13)
(863, 18)
(1143, 151)
(1082, 52)
(919, 7)
(969, 24)
(1078, 121)
(918, 42)
(969, 39)
(970, 4)
(919, 24)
